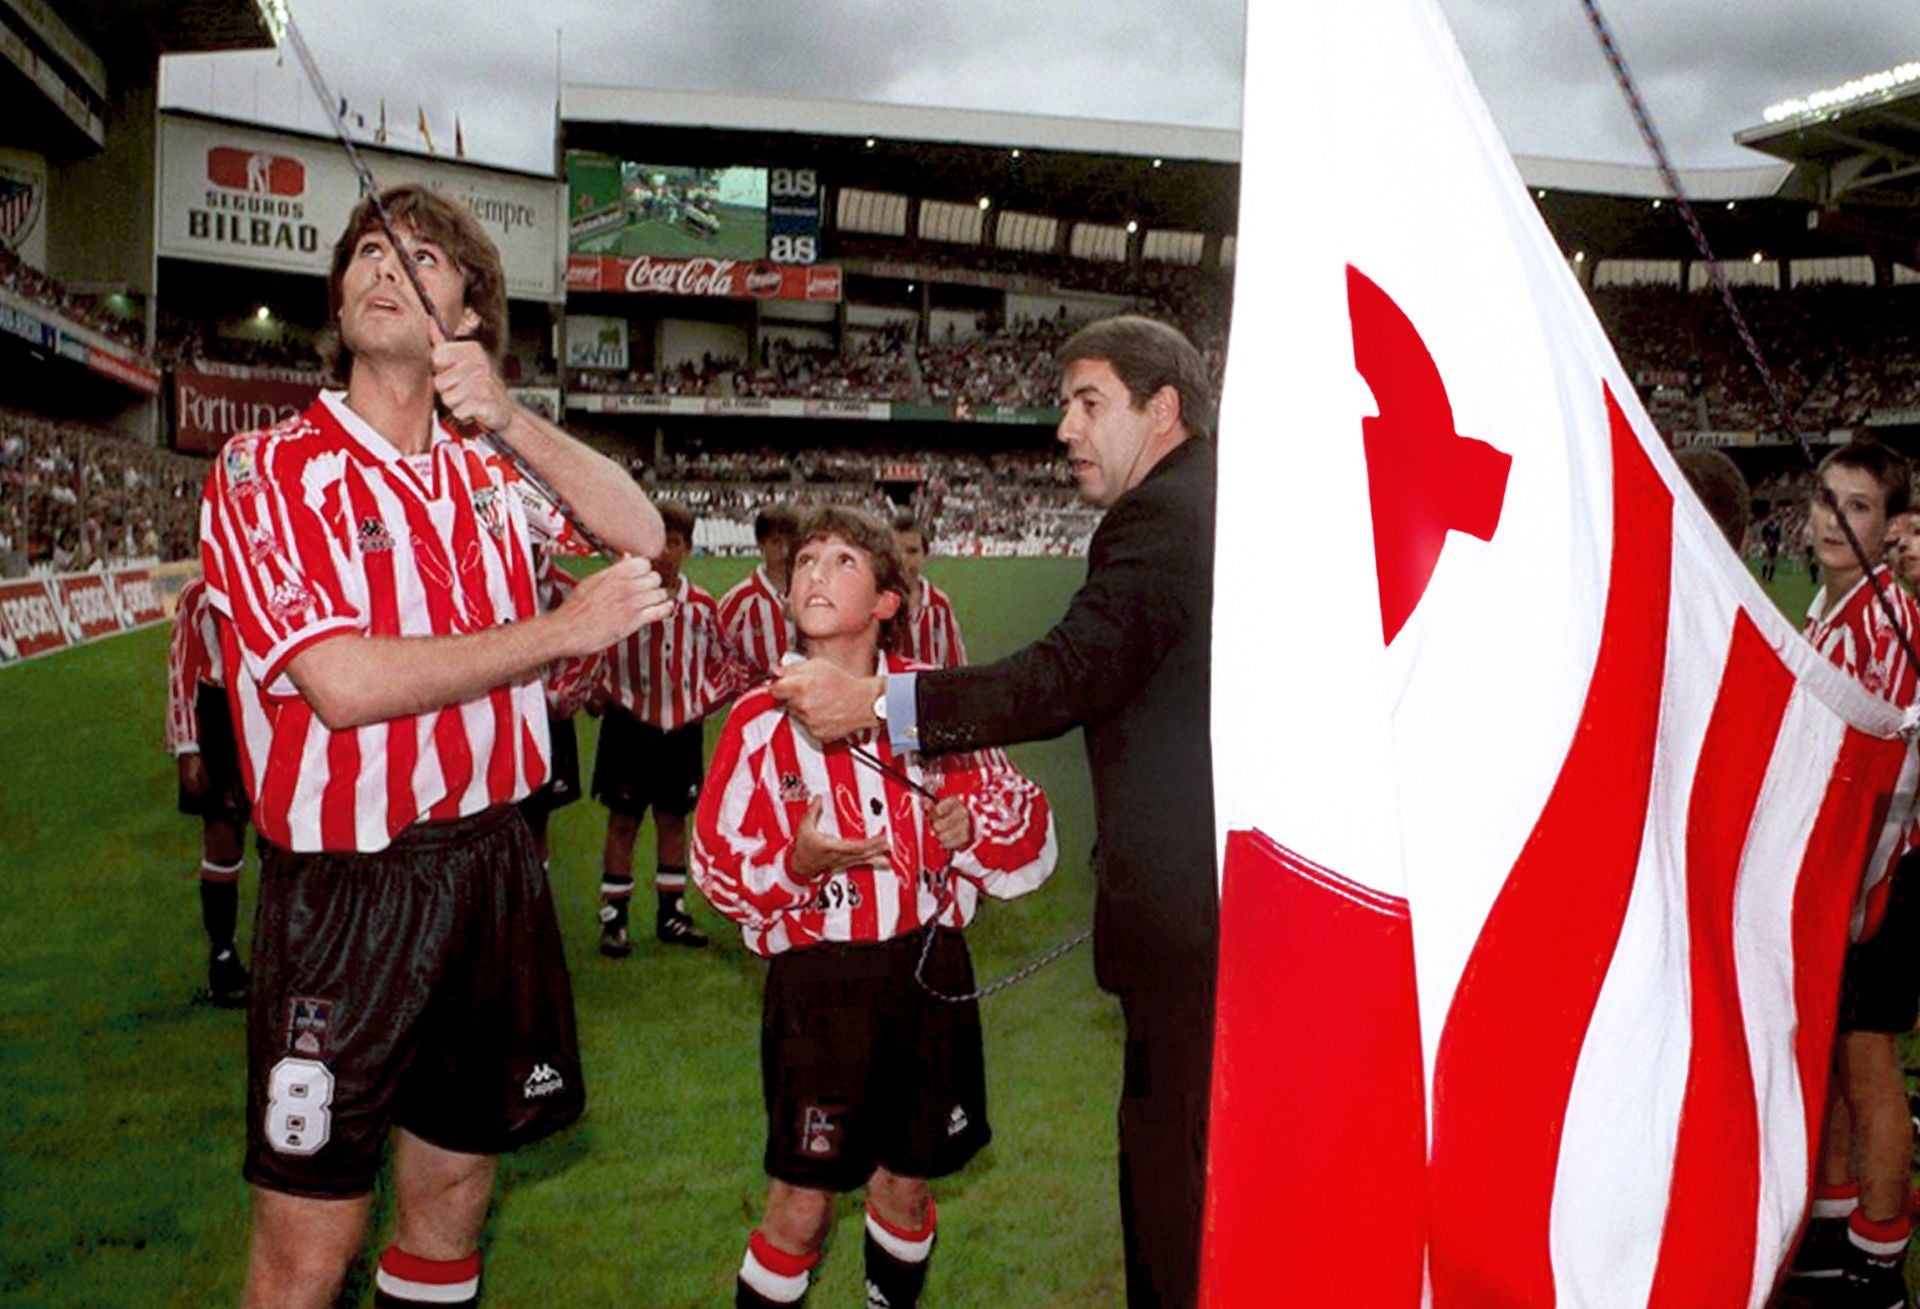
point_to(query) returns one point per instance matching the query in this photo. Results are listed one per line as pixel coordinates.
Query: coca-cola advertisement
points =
(209, 407)
(730, 279)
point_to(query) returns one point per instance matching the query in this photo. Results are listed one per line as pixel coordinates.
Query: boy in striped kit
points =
(933, 630)
(1856, 1242)
(753, 613)
(658, 687)
(373, 566)
(838, 869)
(200, 737)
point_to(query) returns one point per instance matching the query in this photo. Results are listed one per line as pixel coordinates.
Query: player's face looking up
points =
(833, 591)
(1864, 502)
(1105, 434)
(380, 316)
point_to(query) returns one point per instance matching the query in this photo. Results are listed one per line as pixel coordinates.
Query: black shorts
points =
(422, 987)
(1880, 988)
(640, 767)
(225, 797)
(563, 785)
(861, 1067)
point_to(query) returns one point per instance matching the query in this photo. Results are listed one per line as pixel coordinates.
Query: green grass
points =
(121, 1096)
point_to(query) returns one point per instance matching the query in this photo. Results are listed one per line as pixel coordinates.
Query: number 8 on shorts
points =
(299, 1092)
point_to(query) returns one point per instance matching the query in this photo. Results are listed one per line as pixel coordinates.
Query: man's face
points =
(833, 592)
(380, 316)
(674, 554)
(1106, 437)
(1864, 502)
(1903, 547)
(913, 553)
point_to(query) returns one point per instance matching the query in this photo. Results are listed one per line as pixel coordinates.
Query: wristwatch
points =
(880, 704)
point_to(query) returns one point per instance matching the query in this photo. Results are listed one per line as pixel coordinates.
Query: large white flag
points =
(1542, 838)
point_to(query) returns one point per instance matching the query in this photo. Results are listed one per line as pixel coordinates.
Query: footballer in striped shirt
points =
(753, 615)
(933, 629)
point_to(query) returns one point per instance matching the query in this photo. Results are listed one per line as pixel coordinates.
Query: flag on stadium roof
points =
(1542, 827)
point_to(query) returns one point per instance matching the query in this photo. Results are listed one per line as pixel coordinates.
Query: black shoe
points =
(1877, 1285)
(614, 943)
(674, 927)
(227, 979)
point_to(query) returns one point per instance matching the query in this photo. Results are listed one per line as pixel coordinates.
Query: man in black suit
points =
(1129, 663)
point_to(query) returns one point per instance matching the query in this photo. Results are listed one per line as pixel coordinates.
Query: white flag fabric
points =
(1542, 839)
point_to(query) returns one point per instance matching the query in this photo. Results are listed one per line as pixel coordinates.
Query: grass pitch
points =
(121, 1094)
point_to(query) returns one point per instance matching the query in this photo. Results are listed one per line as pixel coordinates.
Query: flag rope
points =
(1776, 399)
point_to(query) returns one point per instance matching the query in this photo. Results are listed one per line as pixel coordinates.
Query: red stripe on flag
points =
(1319, 1107)
(1716, 1168)
(1850, 818)
(1513, 1033)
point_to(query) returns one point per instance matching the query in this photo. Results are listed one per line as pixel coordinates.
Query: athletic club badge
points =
(793, 789)
(819, 1132)
(308, 1021)
(373, 536)
(486, 508)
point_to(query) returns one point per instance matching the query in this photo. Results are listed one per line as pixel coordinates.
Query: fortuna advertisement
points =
(210, 407)
(261, 199)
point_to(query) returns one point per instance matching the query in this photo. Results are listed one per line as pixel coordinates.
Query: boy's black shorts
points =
(640, 767)
(421, 987)
(562, 787)
(225, 797)
(861, 1067)
(1880, 987)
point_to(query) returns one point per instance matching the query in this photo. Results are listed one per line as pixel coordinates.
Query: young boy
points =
(200, 737)
(658, 685)
(837, 869)
(753, 614)
(1857, 1239)
(933, 630)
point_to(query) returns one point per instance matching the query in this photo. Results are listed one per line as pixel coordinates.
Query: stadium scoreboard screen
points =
(630, 208)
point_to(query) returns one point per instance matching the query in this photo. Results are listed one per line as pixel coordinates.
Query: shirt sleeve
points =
(742, 855)
(903, 713)
(1015, 847)
(183, 727)
(271, 564)
(547, 524)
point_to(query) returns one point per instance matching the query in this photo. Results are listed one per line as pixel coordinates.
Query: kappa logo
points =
(956, 1121)
(373, 536)
(543, 1081)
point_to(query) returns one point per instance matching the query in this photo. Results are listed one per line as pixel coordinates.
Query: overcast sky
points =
(1707, 67)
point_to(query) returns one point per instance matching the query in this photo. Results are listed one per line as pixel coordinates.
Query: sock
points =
(404, 1280)
(771, 1276)
(219, 902)
(615, 892)
(897, 1260)
(1822, 1252)
(1878, 1244)
(670, 883)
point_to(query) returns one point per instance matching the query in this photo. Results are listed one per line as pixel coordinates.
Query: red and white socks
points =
(897, 1260)
(407, 1280)
(770, 1277)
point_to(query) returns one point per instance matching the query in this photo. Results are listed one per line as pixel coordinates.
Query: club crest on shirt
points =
(261, 542)
(486, 507)
(373, 536)
(793, 789)
(309, 1019)
(289, 600)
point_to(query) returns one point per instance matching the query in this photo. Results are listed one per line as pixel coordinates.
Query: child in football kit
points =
(855, 884)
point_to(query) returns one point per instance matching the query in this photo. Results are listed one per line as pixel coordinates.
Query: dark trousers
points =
(1163, 1138)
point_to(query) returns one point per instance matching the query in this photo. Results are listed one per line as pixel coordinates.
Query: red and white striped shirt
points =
(568, 681)
(319, 528)
(754, 621)
(934, 635)
(676, 671)
(193, 657)
(766, 771)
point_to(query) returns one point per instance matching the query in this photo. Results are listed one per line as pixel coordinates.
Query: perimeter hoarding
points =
(726, 279)
(210, 407)
(44, 614)
(260, 199)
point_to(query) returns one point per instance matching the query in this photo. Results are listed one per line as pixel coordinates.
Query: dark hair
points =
(775, 520)
(1888, 467)
(449, 224)
(675, 516)
(1147, 355)
(907, 521)
(1722, 488)
(864, 532)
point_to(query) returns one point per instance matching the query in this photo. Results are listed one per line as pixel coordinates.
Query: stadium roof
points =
(145, 28)
(1858, 143)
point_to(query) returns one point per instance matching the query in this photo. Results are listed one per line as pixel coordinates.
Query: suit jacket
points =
(1128, 663)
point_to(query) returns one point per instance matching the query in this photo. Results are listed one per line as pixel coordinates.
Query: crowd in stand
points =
(73, 496)
(190, 344)
(28, 282)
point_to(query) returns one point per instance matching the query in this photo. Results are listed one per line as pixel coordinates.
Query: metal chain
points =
(1776, 399)
(1018, 975)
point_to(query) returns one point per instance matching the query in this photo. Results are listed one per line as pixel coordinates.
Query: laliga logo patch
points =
(241, 468)
(373, 536)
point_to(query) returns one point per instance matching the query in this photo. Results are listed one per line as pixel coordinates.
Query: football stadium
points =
(746, 303)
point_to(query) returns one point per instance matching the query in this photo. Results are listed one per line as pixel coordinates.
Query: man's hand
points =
(829, 701)
(193, 775)
(816, 855)
(469, 389)
(613, 603)
(952, 822)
